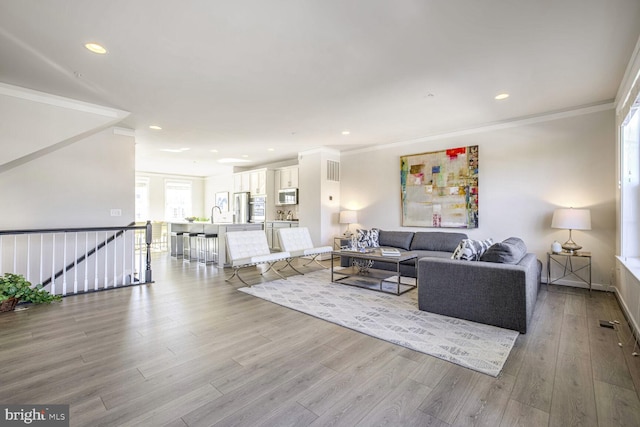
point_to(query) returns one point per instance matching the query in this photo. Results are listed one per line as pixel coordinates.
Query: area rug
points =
(392, 318)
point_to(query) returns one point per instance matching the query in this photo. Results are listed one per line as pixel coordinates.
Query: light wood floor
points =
(190, 350)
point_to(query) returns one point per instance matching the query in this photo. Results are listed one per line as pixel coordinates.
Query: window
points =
(630, 183)
(142, 199)
(177, 200)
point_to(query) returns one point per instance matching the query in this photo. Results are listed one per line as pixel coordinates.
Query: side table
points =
(340, 241)
(565, 260)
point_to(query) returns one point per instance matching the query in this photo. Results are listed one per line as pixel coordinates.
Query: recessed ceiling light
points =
(96, 48)
(502, 96)
(232, 160)
(174, 150)
(271, 149)
(245, 155)
(346, 132)
(214, 151)
(155, 127)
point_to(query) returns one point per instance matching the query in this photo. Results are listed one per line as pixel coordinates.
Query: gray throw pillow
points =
(396, 239)
(509, 251)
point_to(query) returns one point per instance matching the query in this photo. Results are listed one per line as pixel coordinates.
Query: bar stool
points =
(176, 244)
(207, 248)
(189, 247)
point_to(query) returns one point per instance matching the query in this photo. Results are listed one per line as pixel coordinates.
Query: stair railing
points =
(78, 260)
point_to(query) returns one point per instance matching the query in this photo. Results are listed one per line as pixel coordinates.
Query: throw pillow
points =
(368, 238)
(471, 250)
(509, 251)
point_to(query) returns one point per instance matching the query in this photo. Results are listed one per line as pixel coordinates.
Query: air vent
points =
(333, 171)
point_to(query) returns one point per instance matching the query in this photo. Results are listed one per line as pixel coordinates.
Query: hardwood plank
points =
(229, 403)
(367, 396)
(518, 414)
(486, 402)
(575, 305)
(573, 401)
(534, 383)
(321, 397)
(255, 410)
(398, 407)
(607, 358)
(447, 399)
(574, 336)
(291, 414)
(617, 406)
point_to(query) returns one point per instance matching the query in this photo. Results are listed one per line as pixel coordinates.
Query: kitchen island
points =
(220, 229)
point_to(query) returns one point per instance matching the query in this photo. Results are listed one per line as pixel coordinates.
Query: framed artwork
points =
(222, 201)
(440, 189)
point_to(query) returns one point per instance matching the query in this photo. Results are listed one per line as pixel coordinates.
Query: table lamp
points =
(571, 219)
(348, 217)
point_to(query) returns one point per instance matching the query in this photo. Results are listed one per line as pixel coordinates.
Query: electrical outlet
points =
(116, 212)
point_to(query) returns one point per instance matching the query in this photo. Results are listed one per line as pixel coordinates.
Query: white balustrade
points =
(66, 261)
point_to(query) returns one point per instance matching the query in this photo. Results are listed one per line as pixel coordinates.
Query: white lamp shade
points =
(348, 217)
(571, 219)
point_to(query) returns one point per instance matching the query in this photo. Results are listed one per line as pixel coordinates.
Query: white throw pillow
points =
(471, 250)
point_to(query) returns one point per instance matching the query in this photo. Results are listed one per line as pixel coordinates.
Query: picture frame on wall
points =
(440, 189)
(222, 201)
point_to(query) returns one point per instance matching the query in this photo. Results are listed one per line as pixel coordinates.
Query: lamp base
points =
(571, 246)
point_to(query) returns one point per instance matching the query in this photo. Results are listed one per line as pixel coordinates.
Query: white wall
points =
(75, 186)
(156, 193)
(526, 171)
(215, 184)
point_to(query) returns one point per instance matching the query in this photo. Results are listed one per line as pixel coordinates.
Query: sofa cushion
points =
(436, 241)
(368, 238)
(396, 239)
(471, 250)
(509, 251)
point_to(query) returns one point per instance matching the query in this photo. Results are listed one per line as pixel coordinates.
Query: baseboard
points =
(582, 285)
(635, 329)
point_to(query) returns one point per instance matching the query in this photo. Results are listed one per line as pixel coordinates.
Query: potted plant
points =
(15, 288)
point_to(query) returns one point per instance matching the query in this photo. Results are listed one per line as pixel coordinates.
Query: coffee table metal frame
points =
(375, 275)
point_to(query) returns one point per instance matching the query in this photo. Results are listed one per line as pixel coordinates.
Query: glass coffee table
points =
(360, 274)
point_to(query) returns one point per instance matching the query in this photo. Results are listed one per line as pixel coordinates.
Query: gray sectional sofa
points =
(500, 289)
(497, 290)
(425, 243)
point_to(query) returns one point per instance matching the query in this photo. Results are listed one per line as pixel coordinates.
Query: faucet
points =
(219, 210)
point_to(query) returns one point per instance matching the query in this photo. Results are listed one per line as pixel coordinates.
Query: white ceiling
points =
(243, 76)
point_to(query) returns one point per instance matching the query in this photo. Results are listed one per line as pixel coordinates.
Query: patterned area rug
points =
(392, 318)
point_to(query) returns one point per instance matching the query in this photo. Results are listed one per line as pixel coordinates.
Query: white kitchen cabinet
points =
(288, 177)
(258, 181)
(271, 228)
(241, 182)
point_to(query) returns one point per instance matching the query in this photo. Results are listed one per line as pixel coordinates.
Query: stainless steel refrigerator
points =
(241, 208)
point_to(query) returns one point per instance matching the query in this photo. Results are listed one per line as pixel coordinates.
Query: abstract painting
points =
(440, 189)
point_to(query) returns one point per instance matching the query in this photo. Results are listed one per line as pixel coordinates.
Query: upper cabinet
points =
(241, 182)
(286, 177)
(254, 182)
(258, 181)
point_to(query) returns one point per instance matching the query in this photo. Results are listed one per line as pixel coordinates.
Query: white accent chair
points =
(297, 242)
(249, 248)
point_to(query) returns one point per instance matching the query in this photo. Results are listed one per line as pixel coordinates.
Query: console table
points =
(373, 279)
(565, 260)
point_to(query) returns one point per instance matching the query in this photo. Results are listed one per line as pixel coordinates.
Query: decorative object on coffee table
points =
(571, 219)
(363, 265)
